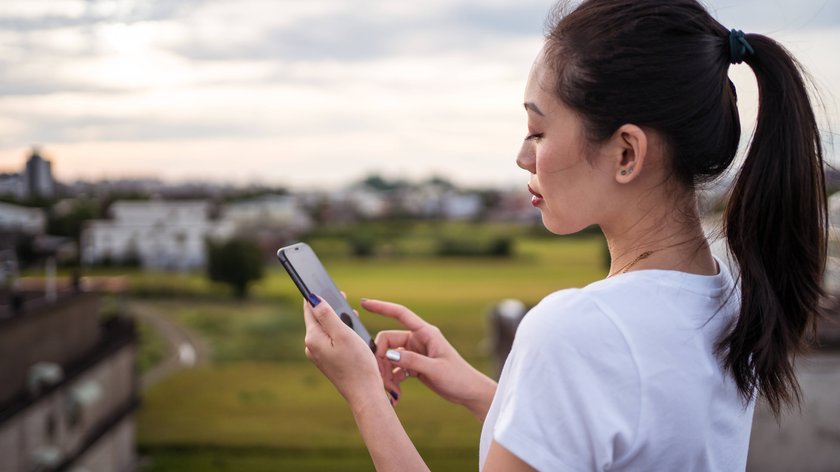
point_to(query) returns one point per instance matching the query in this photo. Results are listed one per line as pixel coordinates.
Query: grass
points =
(260, 406)
(152, 349)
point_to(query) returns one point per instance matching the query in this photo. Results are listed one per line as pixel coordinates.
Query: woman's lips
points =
(536, 199)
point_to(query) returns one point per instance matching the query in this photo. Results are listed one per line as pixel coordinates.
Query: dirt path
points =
(185, 349)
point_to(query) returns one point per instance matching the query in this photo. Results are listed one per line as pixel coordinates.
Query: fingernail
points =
(394, 394)
(364, 300)
(313, 299)
(393, 355)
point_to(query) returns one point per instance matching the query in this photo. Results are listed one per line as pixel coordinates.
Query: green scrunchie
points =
(738, 46)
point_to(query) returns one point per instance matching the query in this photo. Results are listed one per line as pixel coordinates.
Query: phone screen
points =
(310, 276)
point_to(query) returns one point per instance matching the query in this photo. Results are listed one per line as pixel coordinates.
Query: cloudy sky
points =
(307, 92)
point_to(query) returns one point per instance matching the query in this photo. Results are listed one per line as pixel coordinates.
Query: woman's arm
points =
(424, 353)
(389, 446)
(500, 459)
(347, 362)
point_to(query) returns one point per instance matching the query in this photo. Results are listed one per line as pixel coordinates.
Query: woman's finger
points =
(389, 340)
(409, 361)
(308, 319)
(400, 375)
(392, 310)
(392, 387)
(323, 313)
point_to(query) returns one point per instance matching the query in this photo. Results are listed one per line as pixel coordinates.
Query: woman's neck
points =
(666, 236)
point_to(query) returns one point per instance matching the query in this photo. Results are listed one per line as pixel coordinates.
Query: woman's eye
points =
(534, 137)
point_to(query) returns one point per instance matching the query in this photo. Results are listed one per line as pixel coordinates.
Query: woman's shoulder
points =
(580, 306)
(571, 315)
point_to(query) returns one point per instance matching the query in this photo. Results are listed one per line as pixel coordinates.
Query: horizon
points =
(316, 95)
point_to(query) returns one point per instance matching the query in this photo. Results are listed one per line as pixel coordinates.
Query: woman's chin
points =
(562, 228)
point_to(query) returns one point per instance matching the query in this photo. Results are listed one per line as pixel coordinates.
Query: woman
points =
(658, 366)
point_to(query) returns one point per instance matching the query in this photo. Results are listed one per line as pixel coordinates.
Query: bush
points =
(362, 246)
(236, 262)
(472, 247)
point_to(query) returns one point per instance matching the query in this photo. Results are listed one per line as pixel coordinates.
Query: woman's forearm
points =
(387, 442)
(485, 390)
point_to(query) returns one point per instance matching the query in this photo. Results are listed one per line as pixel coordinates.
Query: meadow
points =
(259, 405)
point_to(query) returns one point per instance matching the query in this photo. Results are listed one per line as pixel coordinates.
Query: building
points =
(271, 221)
(12, 185)
(36, 180)
(37, 176)
(273, 211)
(68, 387)
(22, 220)
(155, 234)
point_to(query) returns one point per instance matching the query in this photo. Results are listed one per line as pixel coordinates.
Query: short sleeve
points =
(570, 394)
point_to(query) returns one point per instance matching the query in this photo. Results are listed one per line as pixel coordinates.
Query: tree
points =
(236, 262)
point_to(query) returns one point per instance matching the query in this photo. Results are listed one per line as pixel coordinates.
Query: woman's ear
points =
(630, 148)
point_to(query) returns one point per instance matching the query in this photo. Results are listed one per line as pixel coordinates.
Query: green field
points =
(259, 405)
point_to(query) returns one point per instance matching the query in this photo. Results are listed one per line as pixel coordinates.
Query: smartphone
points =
(310, 276)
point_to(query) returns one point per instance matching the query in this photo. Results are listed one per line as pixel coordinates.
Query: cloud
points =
(360, 31)
(308, 91)
(37, 16)
(775, 16)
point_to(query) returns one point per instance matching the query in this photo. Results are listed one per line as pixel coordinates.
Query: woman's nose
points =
(526, 158)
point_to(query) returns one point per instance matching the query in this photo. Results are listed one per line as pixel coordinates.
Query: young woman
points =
(658, 366)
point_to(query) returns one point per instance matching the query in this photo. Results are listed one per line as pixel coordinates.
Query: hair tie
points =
(738, 47)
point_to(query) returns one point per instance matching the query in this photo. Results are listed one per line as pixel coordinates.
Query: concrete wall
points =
(114, 452)
(49, 424)
(60, 333)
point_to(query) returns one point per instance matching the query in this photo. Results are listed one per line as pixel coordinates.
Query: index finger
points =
(408, 318)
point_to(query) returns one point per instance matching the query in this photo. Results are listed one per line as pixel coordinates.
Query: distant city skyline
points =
(309, 94)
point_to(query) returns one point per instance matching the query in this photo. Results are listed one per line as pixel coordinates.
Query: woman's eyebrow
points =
(533, 107)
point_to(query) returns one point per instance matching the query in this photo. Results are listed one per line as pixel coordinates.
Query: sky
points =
(309, 93)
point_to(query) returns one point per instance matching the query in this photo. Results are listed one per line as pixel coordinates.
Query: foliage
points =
(405, 237)
(362, 245)
(475, 247)
(260, 331)
(69, 223)
(380, 184)
(236, 262)
(261, 406)
(290, 409)
(152, 347)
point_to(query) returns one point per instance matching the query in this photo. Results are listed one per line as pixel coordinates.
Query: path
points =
(184, 348)
(806, 442)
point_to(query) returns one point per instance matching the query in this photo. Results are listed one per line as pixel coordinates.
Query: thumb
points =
(410, 360)
(325, 316)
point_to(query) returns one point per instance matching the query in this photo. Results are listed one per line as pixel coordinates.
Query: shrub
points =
(473, 247)
(236, 262)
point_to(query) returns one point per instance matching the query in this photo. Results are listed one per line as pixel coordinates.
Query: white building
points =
(436, 201)
(161, 235)
(368, 203)
(278, 211)
(12, 185)
(19, 219)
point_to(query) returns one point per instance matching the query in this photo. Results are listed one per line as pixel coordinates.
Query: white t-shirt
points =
(622, 375)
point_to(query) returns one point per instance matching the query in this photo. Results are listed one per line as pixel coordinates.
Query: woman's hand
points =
(423, 352)
(340, 354)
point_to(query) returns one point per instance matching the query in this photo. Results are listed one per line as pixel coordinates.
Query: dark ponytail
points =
(664, 65)
(776, 226)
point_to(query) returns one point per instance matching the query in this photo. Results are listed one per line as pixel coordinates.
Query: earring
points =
(623, 171)
(630, 170)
